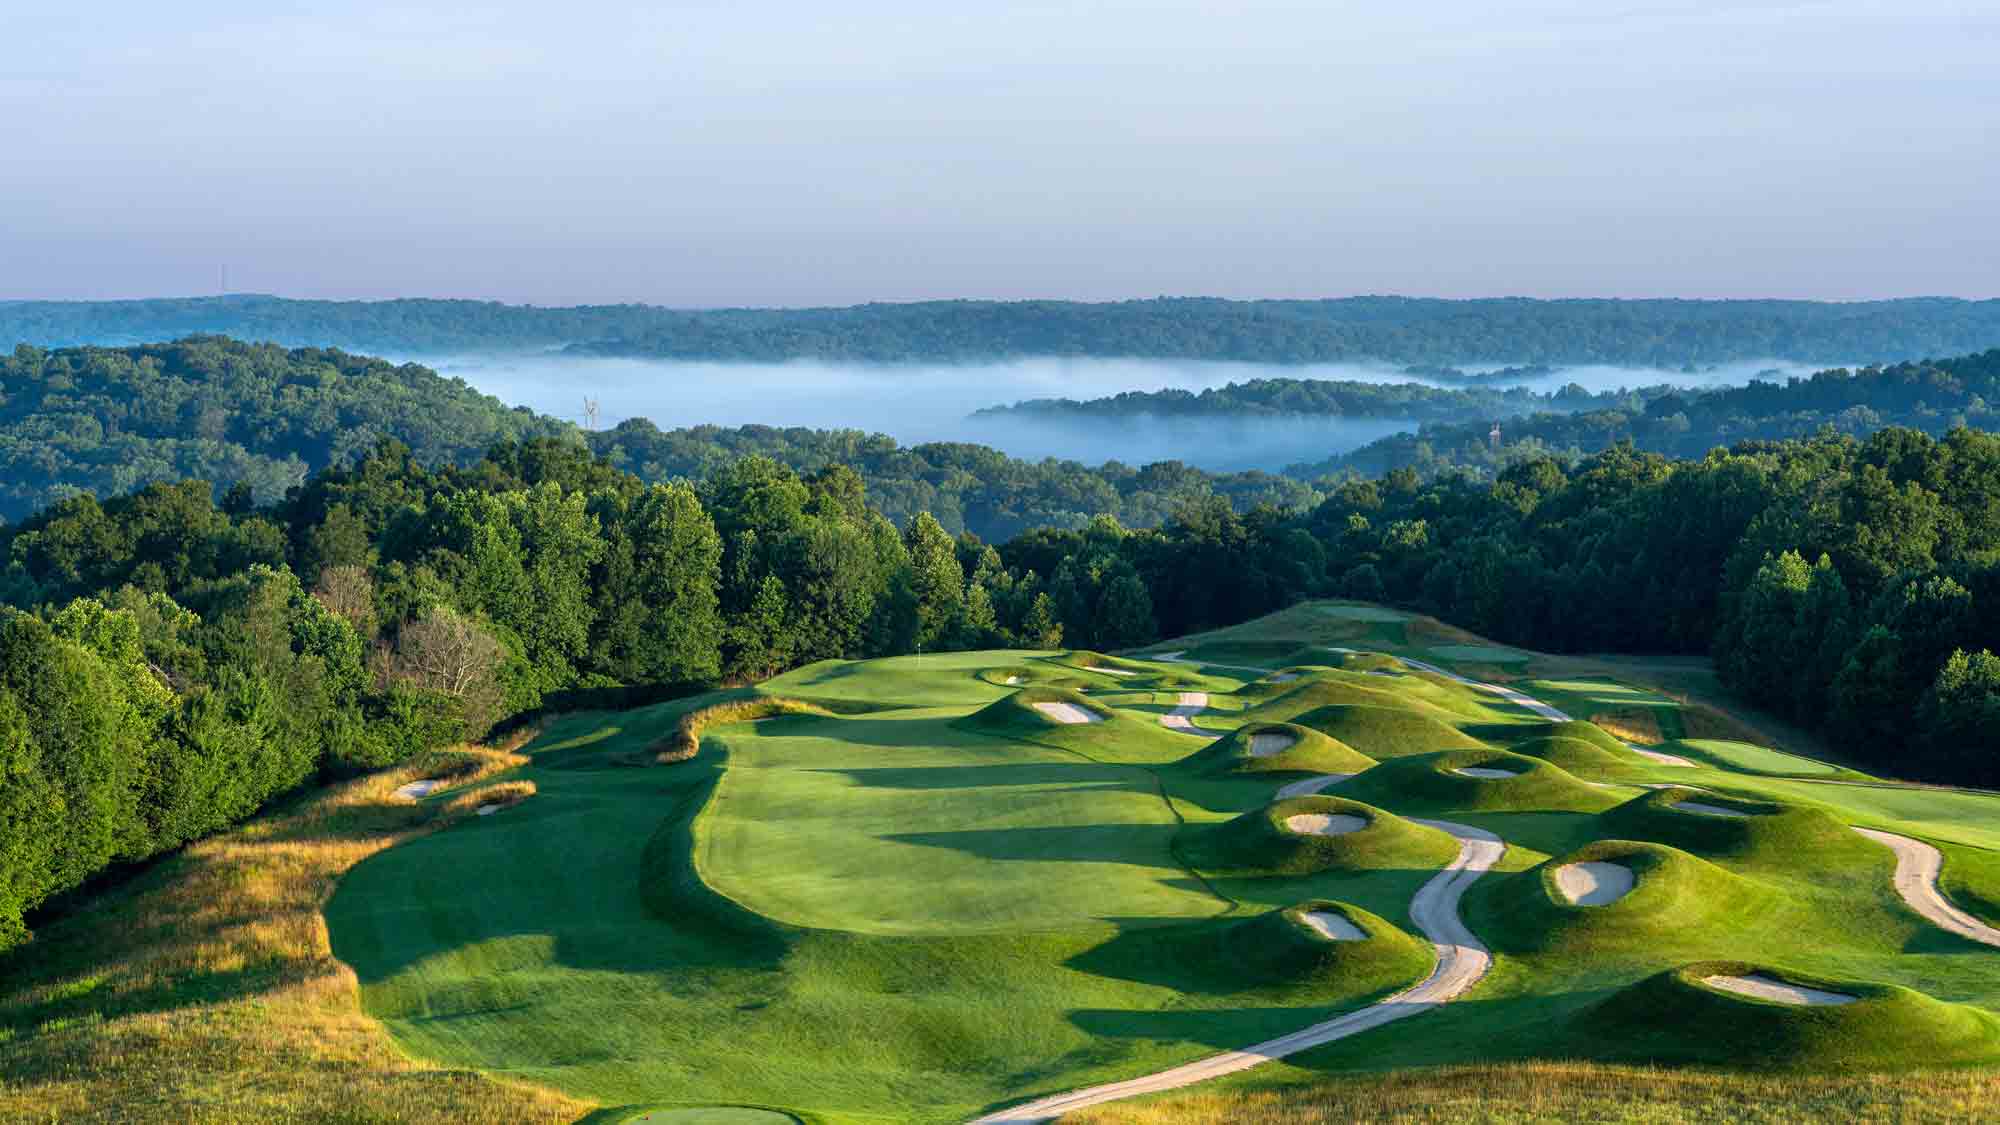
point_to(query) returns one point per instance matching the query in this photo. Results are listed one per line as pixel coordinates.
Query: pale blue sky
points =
(703, 153)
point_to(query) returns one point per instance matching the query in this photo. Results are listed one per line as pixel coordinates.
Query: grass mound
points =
(1260, 841)
(1278, 956)
(685, 741)
(1673, 893)
(1442, 700)
(1013, 675)
(1017, 712)
(1676, 1017)
(1384, 732)
(1752, 831)
(1444, 781)
(1573, 754)
(1369, 662)
(1109, 665)
(1309, 752)
(1283, 946)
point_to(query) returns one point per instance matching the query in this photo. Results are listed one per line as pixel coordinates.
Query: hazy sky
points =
(707, 153)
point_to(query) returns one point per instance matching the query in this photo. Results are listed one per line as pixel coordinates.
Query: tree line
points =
(1929, 395)
(173, 659)
(1428, 331)
(1853, 586)
(108, 420)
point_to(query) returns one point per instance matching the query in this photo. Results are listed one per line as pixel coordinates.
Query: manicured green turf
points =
(1747, 758)
(1438, 783)
(1382, 731)
(820, 823)
(1575, 755)
(1261, 842)
(1675, 1016)
(1304, 751)
(940, 899)
(1673, 892)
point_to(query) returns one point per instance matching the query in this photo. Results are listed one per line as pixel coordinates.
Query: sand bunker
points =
(1771, 988)
(1267, 743)
(1325, 824)
(1284, 677)
(1068, 713)
(1706, 809)
(1487, 772)
(489, 810)
(1333, 927)
(1013, 679)
(418, 790)
(1594, 884)
(1113, 671)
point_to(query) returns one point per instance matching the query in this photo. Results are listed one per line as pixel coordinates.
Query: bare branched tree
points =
(347, 591)
(446, 652)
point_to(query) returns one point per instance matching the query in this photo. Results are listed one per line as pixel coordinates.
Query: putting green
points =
(821, 823)
(937, 901)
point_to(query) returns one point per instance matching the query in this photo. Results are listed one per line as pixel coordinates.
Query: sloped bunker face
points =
(1488, 773)
(1595, 882)
(1763, 986)
(1267, 743)
(1747, 830)
(1068, 713)
(1332, 925)
(1324, 824)
(1746, 1015)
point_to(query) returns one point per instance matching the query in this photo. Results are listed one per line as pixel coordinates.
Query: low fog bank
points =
(1604, 377)
(922, 403)
(1223, 445)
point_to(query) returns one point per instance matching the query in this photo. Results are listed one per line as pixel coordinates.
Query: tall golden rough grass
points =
(1633, 725)
(685, 741)
(216, 998)
(1574, 1091)
(503, 795)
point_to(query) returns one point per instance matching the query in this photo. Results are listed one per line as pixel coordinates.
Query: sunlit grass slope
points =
(946, 896)
(907, 912)
(931, 896)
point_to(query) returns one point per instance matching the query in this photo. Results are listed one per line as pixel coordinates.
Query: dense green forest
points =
(966, 487)
(1394, 329)
(172, 662)
(107, 420)
(1329, 398)
(1931, 395)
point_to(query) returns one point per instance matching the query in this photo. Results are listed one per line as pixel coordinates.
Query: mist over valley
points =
(918, 403)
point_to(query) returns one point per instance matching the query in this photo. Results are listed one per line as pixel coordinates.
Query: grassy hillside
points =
(972, 878)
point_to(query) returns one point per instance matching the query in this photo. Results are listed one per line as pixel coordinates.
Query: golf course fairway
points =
(1001, 885)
